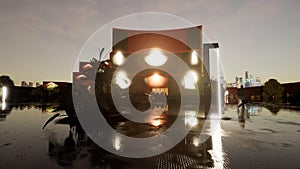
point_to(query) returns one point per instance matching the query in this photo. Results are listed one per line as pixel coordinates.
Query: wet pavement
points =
(263, 140)
(256, 138)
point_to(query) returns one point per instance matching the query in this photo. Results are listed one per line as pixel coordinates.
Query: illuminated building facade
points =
(156, 48)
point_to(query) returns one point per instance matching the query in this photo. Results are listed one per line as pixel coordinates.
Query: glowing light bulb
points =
(194, 58)
(118, 58)
(156, 58)
(156, 80)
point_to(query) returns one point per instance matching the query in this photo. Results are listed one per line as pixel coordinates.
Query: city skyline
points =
(41, 40)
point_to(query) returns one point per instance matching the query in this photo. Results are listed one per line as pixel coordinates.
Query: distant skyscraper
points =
(246, 76)
(247, 84)
(236, 79)
(241, 81)
(257, 79)
(249, 81)
(252, 81)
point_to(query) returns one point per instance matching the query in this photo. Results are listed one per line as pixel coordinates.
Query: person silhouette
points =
(241, 98)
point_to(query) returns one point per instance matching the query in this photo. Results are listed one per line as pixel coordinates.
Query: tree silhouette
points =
(6, 81)
(273, 91)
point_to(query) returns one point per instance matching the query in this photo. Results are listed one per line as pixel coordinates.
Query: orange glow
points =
(156, 123)
(156, 80)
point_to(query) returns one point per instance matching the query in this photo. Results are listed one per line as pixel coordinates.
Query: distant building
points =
(249, 81)
(247, 84)
(240, 82)
(257, 79)
(252, 80)
(254, 93)
(246, 76)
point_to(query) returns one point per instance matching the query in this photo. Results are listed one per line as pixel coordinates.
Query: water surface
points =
(256, 138)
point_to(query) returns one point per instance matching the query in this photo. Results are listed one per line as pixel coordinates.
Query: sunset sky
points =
(40, 40)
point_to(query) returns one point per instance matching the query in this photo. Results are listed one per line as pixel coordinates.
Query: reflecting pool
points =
(253, 138)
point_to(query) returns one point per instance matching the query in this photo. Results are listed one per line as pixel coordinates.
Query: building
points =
(254, 93)
(153, 49)
(247, 81)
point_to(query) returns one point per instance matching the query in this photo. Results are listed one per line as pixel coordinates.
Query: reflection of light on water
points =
(190, 80)
(191, 121)
(196, 141)
(253, 110)
(117, 142)
(3, 106)
(155, 122)
(4, 96)
(191, 118)
(122, 80)
(4, 93)
(50, 109)
(217, 149)
(156, 117)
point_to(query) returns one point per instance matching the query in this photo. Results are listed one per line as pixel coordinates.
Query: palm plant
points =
(96, 62)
